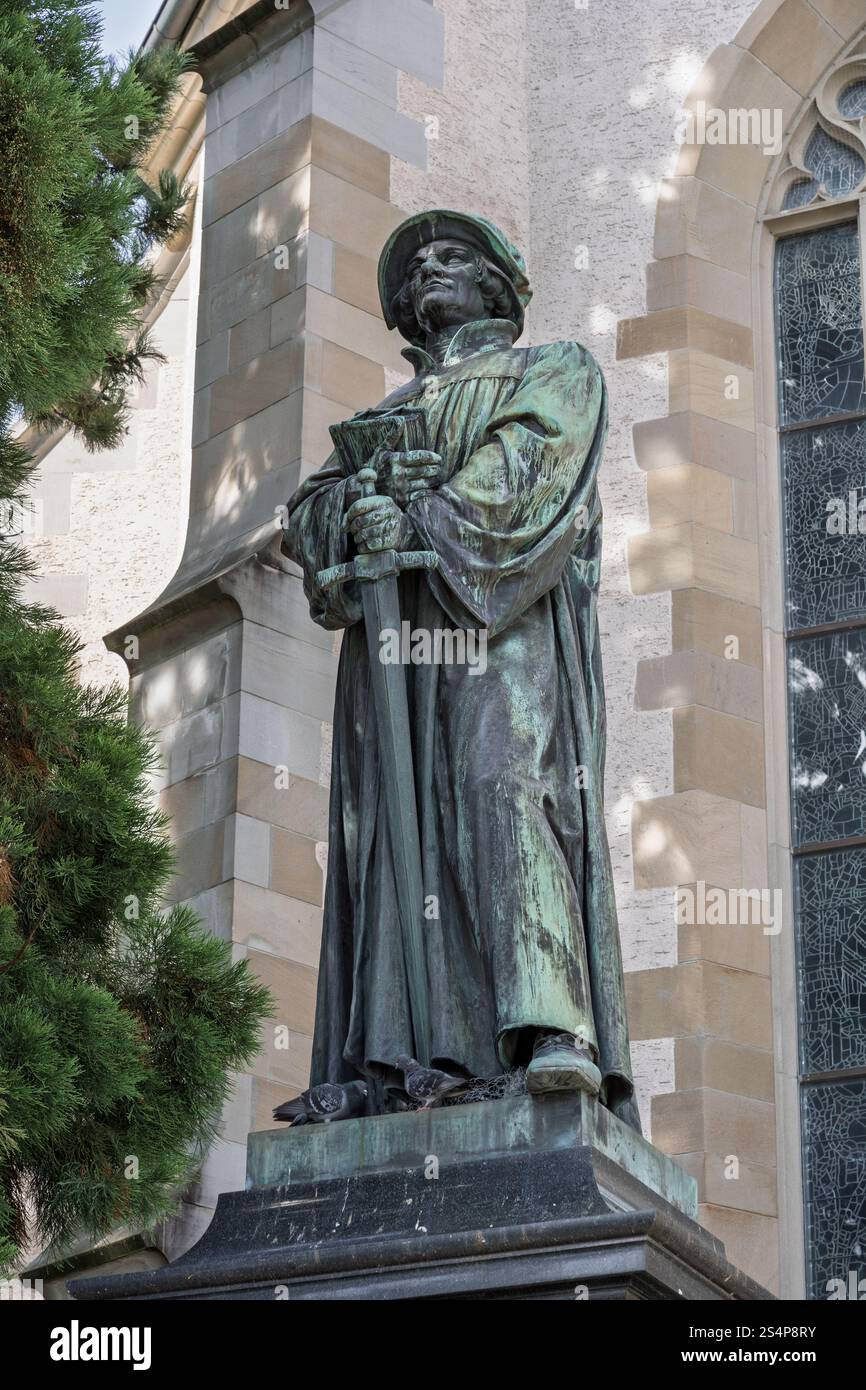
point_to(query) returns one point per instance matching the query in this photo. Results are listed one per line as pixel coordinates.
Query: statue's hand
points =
(355, 485)
(377, 523)
(403, 476)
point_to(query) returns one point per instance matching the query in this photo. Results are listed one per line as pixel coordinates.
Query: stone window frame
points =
(823, 113)
(774, 222)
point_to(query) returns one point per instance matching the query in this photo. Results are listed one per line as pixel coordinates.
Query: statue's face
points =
(443, 285)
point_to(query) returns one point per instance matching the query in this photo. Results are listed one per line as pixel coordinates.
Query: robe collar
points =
(483, 335)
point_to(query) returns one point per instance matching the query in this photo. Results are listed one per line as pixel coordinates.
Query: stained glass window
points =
(824, 474)
(852, 100)
(834, 1146)
(831, 162)
(827, 685)
(830, 903)
(821, 377)
(820, 331)
(800, 193)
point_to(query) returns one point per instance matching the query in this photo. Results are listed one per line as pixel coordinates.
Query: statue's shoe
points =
(559, 1063)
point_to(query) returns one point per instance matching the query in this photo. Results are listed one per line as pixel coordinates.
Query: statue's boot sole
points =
(567, 1074)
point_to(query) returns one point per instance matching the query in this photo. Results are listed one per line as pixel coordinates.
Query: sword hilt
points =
(371, 565)
(377, 564)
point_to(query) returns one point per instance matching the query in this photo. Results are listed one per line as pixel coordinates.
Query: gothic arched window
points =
(822, 428)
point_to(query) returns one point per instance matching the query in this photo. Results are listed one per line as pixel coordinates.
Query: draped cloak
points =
(509, 762)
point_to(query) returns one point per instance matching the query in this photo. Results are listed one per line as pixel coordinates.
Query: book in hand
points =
(357, 440)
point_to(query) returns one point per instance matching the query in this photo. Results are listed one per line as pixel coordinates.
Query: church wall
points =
(606, 84)
(557, 120)
(108, 527)
(726, 821)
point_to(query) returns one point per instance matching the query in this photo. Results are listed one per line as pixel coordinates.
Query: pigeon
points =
(426, 1084)
(321, 1104)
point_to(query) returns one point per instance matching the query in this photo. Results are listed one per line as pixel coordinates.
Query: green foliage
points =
(119, 1021)
(78, 222)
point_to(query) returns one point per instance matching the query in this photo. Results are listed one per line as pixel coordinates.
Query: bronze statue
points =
(488, 940)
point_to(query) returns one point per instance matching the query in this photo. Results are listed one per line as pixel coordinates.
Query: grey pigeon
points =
(426, 1084)
(321, 1104)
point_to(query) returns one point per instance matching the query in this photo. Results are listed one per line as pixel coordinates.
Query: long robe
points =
(509, 763)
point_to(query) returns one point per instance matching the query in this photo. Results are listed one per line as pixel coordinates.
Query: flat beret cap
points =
(436, 225)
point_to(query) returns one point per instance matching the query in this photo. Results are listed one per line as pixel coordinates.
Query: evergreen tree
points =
(119, 1021)
(78, 222)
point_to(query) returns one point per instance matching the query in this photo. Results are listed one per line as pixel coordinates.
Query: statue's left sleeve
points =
(505, 525)
(314, 537)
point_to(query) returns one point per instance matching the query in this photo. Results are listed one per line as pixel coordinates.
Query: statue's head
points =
(441, 269)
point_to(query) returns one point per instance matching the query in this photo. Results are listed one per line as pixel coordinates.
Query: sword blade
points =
(381, 603)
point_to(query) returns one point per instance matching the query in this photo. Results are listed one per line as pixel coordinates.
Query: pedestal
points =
(547, 1197)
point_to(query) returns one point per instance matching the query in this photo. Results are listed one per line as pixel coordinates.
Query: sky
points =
(125, 22)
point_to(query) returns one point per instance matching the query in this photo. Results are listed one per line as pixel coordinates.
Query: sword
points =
(377, 572)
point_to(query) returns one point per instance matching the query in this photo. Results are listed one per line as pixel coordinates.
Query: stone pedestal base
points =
(546, 1197)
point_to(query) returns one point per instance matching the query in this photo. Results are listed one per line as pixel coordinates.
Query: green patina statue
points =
(500, 671)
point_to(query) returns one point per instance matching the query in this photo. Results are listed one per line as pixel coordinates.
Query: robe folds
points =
(508, 760)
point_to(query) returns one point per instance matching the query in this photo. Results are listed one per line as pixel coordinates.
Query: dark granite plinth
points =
(535, 1198)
